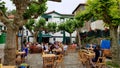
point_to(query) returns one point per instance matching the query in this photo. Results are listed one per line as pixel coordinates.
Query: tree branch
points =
(35, 2)
(3, 18)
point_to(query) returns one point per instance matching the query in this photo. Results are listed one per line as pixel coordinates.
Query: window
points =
(46, 19)
(62, 19)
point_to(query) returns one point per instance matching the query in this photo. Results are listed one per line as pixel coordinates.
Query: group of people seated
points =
(56, 48)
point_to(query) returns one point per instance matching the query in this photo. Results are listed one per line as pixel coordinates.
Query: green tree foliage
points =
(52, 26)
(13, 12)
(2, 7)
(35, 9)
(109, 12)
(61, 26)
(25, 10)
(30, 24)
(68, 26)
(35, 26)
(79, 23)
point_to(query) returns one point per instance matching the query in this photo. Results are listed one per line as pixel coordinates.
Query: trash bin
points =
(2, 38)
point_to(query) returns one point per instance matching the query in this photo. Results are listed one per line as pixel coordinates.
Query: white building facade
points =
(59, 18)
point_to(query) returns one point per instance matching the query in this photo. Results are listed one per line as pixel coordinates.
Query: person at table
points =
(45, 47)
(97, 55)
(60, 49)
(52, 46)
(65, 47)
(25, 49)
(89, 47)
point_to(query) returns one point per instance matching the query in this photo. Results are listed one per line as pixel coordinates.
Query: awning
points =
(55, 0)
(46, 16)
(46, 35)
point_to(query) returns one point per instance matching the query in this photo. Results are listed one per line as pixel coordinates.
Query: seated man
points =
(45, 48)
(97, 55)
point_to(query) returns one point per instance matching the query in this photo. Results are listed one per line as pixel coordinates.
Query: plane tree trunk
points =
(35, 35)
(10, 47)
(78, 37)
(115, 45)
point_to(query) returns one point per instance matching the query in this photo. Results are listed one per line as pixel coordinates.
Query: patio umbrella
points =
(40, 37)
(64, 37)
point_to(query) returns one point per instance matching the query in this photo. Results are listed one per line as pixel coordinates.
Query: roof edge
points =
(78, 7)
(59, 13)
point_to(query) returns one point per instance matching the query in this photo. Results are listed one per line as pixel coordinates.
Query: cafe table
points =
(48, 55)
(20, 53)
(48, 59)
(8, 66)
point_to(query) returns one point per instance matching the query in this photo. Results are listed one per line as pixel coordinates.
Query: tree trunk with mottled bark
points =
(13, 26)
(78, 37)
(35, 35)
(10, 47)
(70, 38)
(115, 46)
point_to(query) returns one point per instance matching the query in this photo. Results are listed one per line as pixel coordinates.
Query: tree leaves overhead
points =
(33, 25)
(2, 7)
(34, 10)
(41, 22)
(51, 26)
(68, 26)
(79, 23)
(61, 26)
(30, 24)
(106, 10)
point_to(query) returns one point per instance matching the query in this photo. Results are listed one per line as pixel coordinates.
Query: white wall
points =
(56, 18)
(99, 24)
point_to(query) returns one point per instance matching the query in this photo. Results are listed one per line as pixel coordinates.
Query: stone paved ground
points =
(35, 60)
(70, 61)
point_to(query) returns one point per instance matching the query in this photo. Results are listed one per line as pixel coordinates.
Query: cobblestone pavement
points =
(1, 53)
(35, 60)
(70, 61)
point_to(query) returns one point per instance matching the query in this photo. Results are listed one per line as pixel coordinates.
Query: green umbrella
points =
(40, 37)
(64, 38)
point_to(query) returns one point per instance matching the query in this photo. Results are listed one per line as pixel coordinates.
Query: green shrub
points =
(114, 65)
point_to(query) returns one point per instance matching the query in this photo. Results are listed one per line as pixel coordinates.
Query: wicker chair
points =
(48, 62)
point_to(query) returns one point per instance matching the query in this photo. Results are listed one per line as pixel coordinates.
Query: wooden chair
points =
(59, 60)
(48, 62)
(18, 60)
(101, 63)
(71, 49)
(0, 63)
(82, 57)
